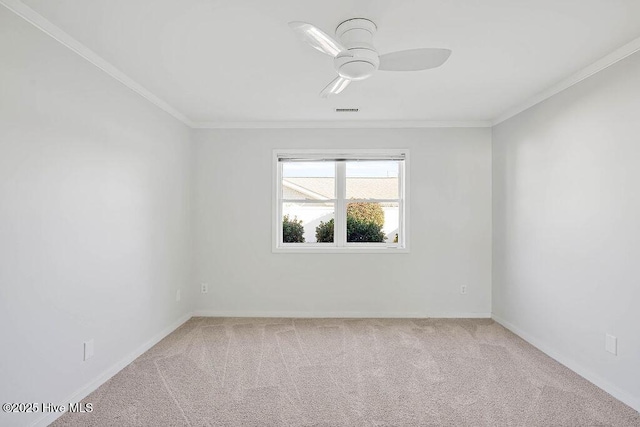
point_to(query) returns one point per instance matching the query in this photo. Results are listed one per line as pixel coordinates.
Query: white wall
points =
(94, 219)
(566, 217)
(450, 229)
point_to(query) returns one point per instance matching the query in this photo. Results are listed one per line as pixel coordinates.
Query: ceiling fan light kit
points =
(356, 58)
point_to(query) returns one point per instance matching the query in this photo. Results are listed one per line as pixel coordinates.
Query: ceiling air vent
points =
(347, 110)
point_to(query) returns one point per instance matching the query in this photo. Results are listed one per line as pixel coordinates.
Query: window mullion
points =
(340, 229)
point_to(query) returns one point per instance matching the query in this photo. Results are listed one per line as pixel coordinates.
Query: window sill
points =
(335, 250)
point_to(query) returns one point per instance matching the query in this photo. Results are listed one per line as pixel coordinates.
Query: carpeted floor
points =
(348, 372)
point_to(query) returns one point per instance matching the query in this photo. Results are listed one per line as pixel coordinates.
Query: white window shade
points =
(318, 157)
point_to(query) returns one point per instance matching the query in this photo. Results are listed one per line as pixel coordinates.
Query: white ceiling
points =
(238, 61)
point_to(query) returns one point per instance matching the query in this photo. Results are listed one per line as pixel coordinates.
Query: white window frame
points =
(340, 244)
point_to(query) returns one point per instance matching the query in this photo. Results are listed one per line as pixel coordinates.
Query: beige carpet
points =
(347, 372)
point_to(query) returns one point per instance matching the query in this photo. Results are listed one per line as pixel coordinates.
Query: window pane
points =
(302, 222)
(373, 222)
(308, 180)
(372, 179)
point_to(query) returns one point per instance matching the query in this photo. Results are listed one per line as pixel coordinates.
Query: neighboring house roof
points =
(323, 188)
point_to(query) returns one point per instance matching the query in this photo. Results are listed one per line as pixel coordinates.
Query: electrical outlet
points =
(463, 289)
(88, 349)
(204, 288)
(611, 344)
(178, 296)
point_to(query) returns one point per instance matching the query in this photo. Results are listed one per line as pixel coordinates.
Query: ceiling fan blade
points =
(335, 87)
(414, 59)
(317, 38)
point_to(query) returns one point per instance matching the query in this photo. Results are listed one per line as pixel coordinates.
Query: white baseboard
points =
(339, 314)
(579, 369)
(84, 391)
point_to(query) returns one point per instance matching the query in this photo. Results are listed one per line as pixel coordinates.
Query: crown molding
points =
(338, 124)
(601, 64)
(46, 26)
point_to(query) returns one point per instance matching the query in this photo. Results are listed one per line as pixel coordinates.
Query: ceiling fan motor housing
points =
(361, 59)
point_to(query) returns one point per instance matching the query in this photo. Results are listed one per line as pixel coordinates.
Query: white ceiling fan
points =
(355, 57)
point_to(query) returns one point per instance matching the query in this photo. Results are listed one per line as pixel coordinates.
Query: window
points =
(332, 201)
